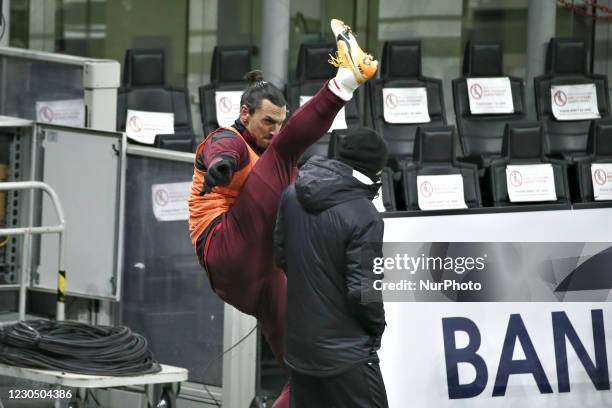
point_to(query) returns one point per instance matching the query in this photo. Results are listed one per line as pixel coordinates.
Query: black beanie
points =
(364, 150)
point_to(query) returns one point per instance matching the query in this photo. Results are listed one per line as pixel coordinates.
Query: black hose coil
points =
(76, 348)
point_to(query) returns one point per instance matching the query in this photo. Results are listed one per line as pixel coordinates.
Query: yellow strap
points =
(61, 286)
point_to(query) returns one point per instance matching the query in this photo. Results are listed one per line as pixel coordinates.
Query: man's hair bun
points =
(252, 77)
(258, 90)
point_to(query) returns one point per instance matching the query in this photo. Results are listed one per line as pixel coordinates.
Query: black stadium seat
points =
(599, 149)
(481, 134)
(144, 88)
(400, 67)
(435, 154)
(566, 64)
(524, 145)
(312, 72)
(229, 65)
(388, 190)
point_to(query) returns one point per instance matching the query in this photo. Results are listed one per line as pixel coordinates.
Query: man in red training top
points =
(239, 175)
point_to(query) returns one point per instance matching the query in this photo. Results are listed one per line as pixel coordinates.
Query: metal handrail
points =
(157, 153)
(27, 232)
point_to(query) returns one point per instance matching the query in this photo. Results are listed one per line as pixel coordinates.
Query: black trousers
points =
(360, 387)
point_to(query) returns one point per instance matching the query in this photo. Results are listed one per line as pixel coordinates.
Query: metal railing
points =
(27, 232)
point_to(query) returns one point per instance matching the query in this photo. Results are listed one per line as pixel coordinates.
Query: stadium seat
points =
(566, 64)
(599, 149)
(400, 67)
(388, 189)
(481, 135)
(523, 144)
(311, 73)
(229, 65)
(435, 154)
(144, 88)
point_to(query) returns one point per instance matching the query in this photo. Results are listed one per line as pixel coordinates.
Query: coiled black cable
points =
(76, 348)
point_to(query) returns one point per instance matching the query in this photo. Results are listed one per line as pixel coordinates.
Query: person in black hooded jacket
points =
(327, 234)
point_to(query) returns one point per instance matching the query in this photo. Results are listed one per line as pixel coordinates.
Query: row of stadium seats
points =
(484, 138)
(480, 134)
(144, 88)
(494, 140)
(523, 143)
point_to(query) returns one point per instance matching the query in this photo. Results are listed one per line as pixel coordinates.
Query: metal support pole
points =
(25, 274)
(541, 21)
(61, 279)
(275, 41)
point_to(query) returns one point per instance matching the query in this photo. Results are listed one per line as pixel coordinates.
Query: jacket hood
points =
(323, 183)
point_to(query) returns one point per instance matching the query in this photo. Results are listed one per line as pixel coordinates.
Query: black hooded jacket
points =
(327, 234)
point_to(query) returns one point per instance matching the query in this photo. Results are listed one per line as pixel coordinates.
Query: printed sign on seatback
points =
(490, 96)
(531, 182)
(602, 181)
(142, 126)
(227, 105)
(574, 102)
(405, 105)
(440, 192)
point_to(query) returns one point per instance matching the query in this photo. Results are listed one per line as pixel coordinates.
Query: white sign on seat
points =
(405, 105)
(227, 105)
(490, 96)
(574, 102)
(142, 126)
(339, 121)
(440, 192)
(69, 112)
(602, 181)
(530, 182)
